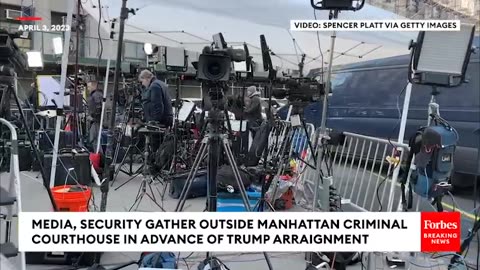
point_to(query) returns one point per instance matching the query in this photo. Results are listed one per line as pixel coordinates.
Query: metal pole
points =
(105, 89)
(75, 122)
(401, 136)
(60, 98)
(323, 127)
(110, 166)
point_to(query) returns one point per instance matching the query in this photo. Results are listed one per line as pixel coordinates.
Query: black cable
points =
(377, 193)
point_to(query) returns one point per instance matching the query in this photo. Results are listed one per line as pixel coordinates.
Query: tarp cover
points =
(191, 24)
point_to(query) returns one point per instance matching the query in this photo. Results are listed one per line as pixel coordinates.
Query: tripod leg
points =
(231, 160)
(128, 181)
(138, 198)
(236, 172)
(119, 169)
(191, 175)
(152, 197)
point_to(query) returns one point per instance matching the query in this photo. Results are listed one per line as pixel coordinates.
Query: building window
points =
(57, 18)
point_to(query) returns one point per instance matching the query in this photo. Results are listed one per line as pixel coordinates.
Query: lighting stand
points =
(178, 105)
(105, 86)
(60, 101)
(433, 115)
(109, 164)
(323, 128)
(30, 137)
(211, 146)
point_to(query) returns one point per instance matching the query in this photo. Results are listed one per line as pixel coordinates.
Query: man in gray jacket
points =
(253, 107)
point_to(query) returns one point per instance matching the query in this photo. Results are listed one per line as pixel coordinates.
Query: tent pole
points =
(109, 165)
(60, 98)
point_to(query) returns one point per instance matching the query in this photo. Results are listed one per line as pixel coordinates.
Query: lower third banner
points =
(232, 232)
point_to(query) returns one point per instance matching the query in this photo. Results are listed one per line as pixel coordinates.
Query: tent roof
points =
(191, 24)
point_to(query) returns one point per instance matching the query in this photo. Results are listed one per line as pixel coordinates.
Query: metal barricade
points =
(14, 184)
(362, 174)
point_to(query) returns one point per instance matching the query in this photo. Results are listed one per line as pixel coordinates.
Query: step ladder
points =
(11, 198)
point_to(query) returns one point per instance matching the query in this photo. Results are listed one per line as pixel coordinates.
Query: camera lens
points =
(214, 69)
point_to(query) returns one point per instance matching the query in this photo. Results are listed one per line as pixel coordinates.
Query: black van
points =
(366, 100)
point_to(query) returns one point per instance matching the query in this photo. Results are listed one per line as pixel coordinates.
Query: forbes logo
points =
(440, 232)
(441, 225)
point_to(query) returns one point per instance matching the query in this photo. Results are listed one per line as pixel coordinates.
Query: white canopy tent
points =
(191, 24)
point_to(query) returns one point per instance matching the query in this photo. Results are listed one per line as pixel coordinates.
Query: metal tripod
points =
(132, 148)
(212, 145)
(148, 178)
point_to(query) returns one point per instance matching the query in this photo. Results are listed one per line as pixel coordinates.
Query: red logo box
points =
(440, 232)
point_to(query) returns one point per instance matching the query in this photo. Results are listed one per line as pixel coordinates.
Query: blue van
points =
(365, 97)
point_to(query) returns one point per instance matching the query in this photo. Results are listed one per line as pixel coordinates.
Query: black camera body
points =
(215, 62)
(300, 90)
(10, 55)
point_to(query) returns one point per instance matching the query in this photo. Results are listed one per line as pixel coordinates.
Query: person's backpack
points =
(159, 260)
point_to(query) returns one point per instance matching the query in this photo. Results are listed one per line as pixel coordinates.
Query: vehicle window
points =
(373, 88)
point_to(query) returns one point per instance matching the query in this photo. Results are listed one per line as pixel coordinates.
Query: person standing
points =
(95, 101)
(253, 107)
(157, 104)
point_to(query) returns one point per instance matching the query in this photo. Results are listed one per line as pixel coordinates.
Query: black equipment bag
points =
(241, 140)
(82, 259)
(164, 153)
(198, 188)
(25, 156)
(415, 144)
(47, 138)
(79, 161)
(226, 178)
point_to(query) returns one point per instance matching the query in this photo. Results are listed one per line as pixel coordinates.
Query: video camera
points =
(11, 58)
(215, 62)
(299, 90)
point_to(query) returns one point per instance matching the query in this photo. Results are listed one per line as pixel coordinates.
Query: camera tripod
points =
(211, 146)
(132, 148)
(148, 179)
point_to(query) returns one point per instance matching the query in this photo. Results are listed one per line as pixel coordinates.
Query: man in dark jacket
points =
(157, 104)
(95, 100)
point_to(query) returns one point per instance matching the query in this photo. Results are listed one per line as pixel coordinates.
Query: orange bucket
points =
(71, 201)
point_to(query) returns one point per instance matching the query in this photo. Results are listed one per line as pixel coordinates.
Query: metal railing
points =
(364, 171)
(14, 185)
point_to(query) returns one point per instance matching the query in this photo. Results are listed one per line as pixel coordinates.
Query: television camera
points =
(299, 90)
(10, 55)
(215, 63)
